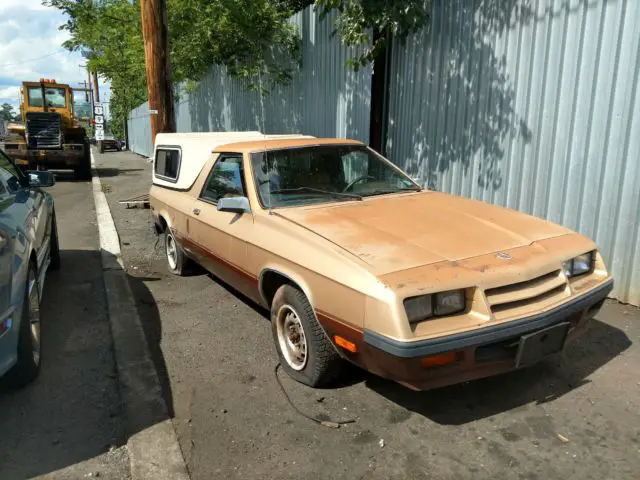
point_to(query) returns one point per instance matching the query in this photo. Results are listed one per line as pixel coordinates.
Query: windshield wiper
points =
(397, 190)
(317, 190)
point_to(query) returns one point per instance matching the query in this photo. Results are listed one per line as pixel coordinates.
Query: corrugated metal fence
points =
(531, 105)
(139, 130)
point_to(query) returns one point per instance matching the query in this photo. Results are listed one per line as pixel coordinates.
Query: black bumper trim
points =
(486, 335)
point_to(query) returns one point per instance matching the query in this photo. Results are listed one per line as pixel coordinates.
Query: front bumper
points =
(479, 353)
(69, 157)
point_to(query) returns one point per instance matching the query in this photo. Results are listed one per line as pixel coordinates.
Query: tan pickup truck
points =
(356, 261)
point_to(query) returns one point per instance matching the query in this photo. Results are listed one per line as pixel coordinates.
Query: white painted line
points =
(109, 240)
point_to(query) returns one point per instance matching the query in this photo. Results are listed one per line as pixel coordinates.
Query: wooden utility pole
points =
(156, 52)
(95, 86)
(90, 99)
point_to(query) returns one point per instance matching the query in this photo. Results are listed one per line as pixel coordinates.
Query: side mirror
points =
(39, 178)
(234, 204)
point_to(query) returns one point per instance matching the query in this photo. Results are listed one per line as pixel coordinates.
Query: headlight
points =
(418, 308)
(579, 265)
(448, 303)
(435, 305)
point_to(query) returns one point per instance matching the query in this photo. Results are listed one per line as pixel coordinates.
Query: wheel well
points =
(33, 258)
(161, 225)
(271, 282)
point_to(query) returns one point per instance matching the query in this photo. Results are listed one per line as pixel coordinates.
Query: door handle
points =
(196, 211)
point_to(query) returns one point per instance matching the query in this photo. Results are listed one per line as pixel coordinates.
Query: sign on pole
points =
(98, 116)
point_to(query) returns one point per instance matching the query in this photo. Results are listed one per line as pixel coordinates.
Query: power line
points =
(32, 59)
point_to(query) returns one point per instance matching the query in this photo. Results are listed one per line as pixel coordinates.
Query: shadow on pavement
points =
(72, 412)
(68, 176)
(150, 318)
(114, 172)
(545, 382)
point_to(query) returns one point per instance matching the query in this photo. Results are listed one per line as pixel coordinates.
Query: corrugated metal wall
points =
(325, 98)
(139, 130)
(533, 105)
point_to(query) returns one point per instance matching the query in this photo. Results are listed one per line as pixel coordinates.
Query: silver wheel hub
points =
(33, 306)
(172, 251)
(291, 337)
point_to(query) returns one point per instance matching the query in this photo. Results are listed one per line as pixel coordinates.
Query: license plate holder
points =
(533, 347)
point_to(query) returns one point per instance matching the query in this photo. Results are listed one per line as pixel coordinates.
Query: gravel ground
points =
(577, 416)
(68, 423)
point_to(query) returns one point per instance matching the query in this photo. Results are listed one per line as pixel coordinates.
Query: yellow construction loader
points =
(49, 136)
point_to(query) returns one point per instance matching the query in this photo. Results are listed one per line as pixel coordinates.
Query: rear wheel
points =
(27, 367)
(177, 262)
(304, 350)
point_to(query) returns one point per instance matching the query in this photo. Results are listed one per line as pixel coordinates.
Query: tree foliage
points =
(365, 23)
(253, 39)
(7, 112)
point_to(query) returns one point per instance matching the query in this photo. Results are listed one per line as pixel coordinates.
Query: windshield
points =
(55, 97)
(81, 105)
(328, 173)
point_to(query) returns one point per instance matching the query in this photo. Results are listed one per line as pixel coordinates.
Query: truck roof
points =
(281, 143)
(196, 147)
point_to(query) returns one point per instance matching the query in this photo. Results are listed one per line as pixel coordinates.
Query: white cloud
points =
(27, 4)
(9, 92)
(28, 32)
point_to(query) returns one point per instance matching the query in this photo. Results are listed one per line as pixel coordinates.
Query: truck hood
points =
(396, 232)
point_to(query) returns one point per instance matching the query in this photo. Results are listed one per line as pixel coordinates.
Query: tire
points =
(27, 367)
(291, 312)
(54, 252)
(83, 171)
(177, 261)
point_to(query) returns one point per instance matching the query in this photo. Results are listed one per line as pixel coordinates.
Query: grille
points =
(537, 292)
(44, 130)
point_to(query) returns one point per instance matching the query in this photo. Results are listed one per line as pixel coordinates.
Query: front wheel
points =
(304, 350)
(27, 366)
(83, 171)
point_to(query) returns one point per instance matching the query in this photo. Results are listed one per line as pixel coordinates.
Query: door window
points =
(225, 180)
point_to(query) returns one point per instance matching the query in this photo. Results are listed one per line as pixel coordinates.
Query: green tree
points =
(6, 112)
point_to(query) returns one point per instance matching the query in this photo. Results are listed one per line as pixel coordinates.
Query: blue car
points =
(28, 247)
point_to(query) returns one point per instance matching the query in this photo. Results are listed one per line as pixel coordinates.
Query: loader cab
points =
(48, 96)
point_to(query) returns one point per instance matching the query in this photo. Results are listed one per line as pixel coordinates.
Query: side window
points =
(225, 180)
(167, 163)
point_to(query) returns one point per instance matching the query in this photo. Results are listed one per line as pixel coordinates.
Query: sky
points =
(31, 48)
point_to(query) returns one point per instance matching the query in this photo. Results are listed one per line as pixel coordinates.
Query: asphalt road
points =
(68, 423)
(577, 416)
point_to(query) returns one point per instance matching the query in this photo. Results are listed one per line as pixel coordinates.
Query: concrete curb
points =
(153, 446)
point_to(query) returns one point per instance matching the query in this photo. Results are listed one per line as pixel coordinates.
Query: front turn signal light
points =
(346, 344)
